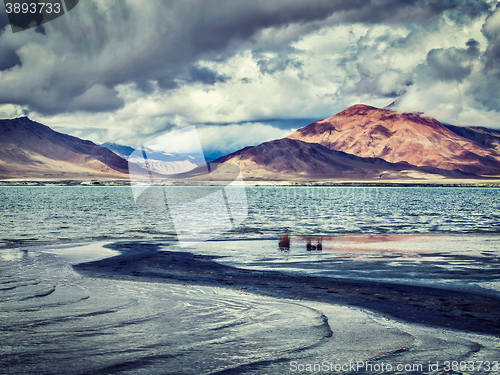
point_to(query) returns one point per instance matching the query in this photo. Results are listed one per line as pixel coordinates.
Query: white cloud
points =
(181, 141)
(229, 138)
(11, 111)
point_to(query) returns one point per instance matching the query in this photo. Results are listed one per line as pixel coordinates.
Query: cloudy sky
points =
(249, 71)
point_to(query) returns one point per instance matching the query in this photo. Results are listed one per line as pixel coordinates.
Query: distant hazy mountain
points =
(126, 151)
(122, 151)
(32, 150)
(396, 137)
(160, 162)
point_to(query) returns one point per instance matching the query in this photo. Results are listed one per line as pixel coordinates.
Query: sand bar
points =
(415, 304)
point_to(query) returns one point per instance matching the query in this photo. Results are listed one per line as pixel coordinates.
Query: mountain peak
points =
(290, 159)
(33, 150)
(24, 120)
(370, 132)
(358, 110)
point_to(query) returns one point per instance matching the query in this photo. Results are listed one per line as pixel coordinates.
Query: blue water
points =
(54, 214)
(54, 321)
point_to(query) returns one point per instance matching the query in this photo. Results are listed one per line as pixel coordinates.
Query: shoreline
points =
(452, 183)
(412, 304)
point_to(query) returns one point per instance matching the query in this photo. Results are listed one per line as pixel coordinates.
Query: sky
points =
(244, 72)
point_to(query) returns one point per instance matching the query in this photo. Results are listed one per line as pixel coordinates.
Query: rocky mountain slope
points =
(489, 138)
(289, 159)
(370, 132)
(32, 150)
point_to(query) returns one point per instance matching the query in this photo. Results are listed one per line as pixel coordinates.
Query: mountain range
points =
(32, 150)
(367, 142)
(290, 159)
(361, 142)
(159, 162)
(367, 131)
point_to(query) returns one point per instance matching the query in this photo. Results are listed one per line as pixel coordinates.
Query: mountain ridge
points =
(367, 131)
(286, 158)
(359, 142)
(33, 150)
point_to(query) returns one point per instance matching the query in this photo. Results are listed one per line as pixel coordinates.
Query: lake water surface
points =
(54, 321)
(58, 213)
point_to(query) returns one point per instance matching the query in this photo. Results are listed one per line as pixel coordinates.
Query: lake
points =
(54, 320)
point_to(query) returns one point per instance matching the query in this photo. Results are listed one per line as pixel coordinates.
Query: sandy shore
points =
(414, 304)
(95, 181)
(134, 307)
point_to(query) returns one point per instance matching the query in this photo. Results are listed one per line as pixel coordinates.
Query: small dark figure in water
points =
(284, 243)
(319, 243)
(311, 247)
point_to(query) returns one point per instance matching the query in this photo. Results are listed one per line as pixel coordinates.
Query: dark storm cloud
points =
(222, 21)
(205, 76)
(485, 88)
(167, 82)
(4, 21)
(84, 55)
(40, 29)
(408, 11)
(277, 64)
(473, 47)
(8, 59)
(452, 64)
(98, 98)
(125, 44)
(459, 10)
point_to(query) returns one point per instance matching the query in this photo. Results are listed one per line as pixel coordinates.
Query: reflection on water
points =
(470, 262)
(284, 242)
(14, 254)
(314, 243)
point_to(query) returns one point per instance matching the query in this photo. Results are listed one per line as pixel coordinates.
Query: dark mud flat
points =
(415, 304)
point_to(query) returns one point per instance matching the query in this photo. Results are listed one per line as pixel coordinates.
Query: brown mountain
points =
(489, 138)
(289, 159)
(32, 150)
(371, 132)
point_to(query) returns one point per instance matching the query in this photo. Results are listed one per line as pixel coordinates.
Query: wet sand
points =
(414, 304)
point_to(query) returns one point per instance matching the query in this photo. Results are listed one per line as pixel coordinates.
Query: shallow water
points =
(54, 321)
(458, 262)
